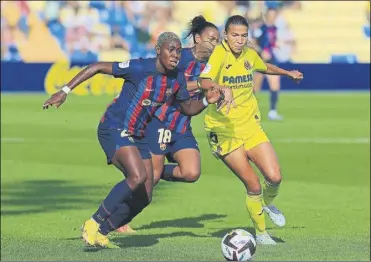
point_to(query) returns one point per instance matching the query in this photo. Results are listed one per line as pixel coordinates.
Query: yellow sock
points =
(270, 191)
(254, 206)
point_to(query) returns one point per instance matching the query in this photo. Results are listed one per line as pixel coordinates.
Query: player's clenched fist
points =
(296, 76)
(56, 99)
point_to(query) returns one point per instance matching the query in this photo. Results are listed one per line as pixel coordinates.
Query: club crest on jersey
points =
(169, 91)
(163, 147)
(247, 65)
(146, 102)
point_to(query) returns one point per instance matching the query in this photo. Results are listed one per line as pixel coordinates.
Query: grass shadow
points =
(149, 240)
(187, 222)
(43, 196)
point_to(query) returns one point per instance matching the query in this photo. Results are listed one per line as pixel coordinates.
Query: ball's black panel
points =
(249, 245)
(227, 240)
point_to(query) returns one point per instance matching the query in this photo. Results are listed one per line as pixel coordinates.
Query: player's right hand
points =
(227, 101)
(296, 76)
(56, 99)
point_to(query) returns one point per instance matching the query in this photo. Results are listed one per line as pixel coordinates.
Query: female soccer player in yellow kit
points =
(235, 134)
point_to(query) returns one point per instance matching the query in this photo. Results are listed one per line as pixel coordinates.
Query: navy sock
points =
(274, 99)
(124, 214)
(119, 193)
(167, 173)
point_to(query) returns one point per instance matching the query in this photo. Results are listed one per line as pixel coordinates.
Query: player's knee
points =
(276, 180)
(191, 175)
(137, 179)
(274, 176)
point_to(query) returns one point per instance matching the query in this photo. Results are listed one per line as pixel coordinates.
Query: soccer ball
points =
(238, 245)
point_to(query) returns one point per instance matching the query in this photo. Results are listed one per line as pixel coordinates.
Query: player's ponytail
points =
(197, 26)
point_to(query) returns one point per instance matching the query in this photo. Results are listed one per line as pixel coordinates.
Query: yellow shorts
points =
(222, 145)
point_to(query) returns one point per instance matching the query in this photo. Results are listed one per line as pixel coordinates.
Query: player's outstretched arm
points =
(58, 98)
(194, 107)
(275, 70)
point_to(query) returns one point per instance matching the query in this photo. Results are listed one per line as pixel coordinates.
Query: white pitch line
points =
(320, 140)
(12, 139)
(323, 140)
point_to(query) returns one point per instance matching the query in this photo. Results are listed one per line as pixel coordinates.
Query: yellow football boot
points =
(89, 232)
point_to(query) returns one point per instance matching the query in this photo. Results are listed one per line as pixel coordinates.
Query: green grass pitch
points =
(54, 176)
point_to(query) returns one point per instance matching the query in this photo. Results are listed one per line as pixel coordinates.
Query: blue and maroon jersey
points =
(266, 37)
(170, 113)
(144, 91)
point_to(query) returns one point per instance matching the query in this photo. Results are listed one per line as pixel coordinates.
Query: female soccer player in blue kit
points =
(149, 83)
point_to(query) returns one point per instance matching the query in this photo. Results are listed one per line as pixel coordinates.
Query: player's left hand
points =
(227, 99)
(296, 76)
(56, 99)
(214, 96)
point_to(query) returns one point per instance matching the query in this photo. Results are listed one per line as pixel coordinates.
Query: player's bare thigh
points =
(274, 82)
(265, 158)
(257, 81)
(189, 161)
(158, 166)
(239, 164)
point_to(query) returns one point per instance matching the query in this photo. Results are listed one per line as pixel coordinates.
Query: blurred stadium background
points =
(88, 31)
(52, 165)
(65, 34)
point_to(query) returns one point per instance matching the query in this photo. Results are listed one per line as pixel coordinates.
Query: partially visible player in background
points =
(265, 38)
(170, 133)
(237, 137)
(148, 84)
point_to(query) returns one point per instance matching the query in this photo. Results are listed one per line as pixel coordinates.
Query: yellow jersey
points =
(236, 73)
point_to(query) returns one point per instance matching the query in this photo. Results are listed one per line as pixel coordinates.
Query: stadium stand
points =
(324, 29)
(88, 31)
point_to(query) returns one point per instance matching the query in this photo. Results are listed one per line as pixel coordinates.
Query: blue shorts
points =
(162, 141)
(112, 139)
